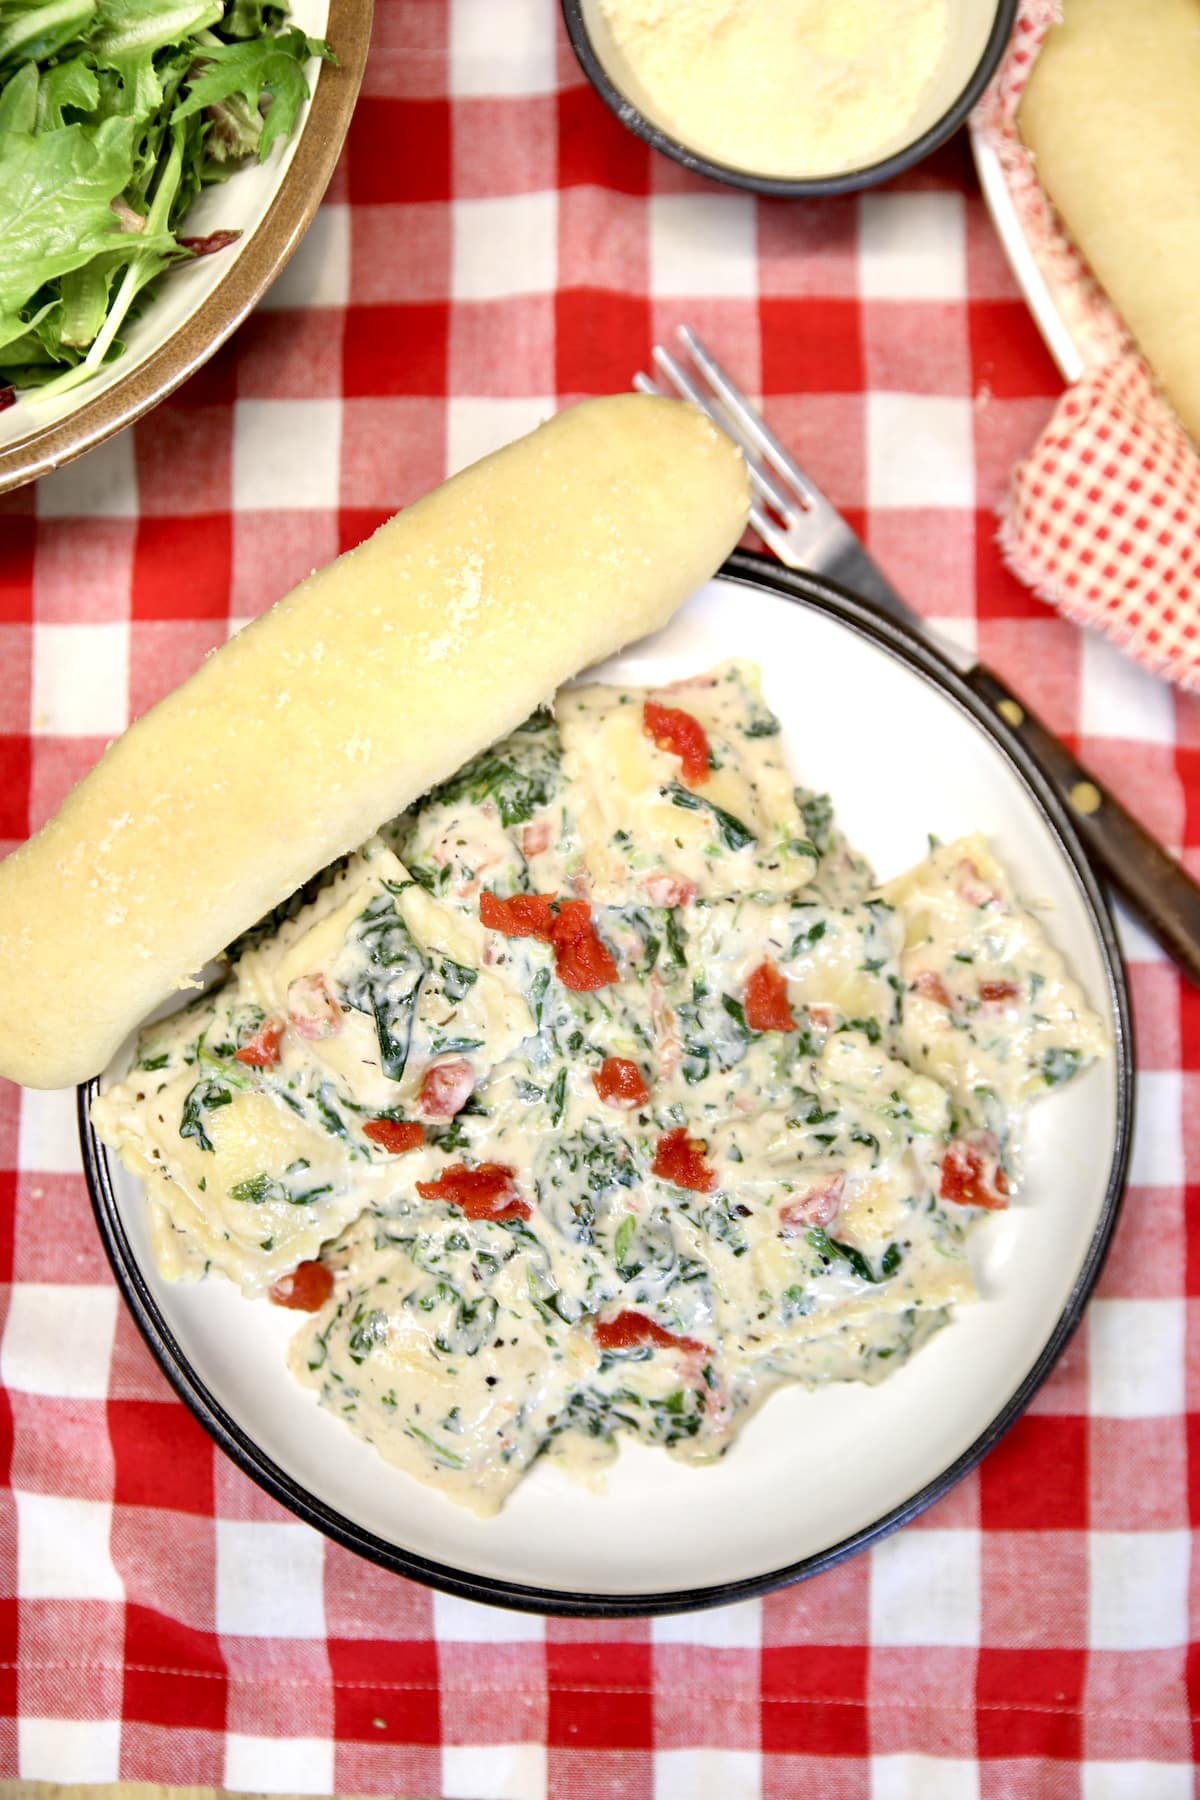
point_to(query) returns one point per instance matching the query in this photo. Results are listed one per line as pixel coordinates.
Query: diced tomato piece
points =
(487, 1192)
(820, 1016)
(766, 1000)
(971, 886)
(446, 1088)
(582, 960)
(620, 1082)
(262, 1050)
(993, 991)
(931, 987)
(668, 890)
(312, 1009)
(537, 837)
(680, 734)
(631, 1330)
(394, 1135)
(819, 1206)
(680, 1158)
(306, 1289)
(971, 1173)
(523, 915)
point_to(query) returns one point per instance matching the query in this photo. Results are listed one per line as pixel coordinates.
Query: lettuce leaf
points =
(270, 68)
(56, 194)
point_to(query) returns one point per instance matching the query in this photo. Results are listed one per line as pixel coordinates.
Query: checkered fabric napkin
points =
(1103, 516)
(494, 245)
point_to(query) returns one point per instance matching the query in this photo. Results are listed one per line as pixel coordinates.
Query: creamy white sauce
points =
(841, 1149)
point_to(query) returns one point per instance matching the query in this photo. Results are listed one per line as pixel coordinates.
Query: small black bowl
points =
(782, 187)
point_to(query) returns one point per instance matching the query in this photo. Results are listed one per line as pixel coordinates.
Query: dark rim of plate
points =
(824, 597)
(850, 180)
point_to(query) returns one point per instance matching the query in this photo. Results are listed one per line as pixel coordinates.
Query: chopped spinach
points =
(328, 1113)
(805, 939)
(474, 1325)
(256, 1189)
(439, 1452)
(537, 995)
(796, 1303)
(385, 971)
(719, 1222)
(817, 812)
(737, 1013)
(366, 1330)
(1058, 1065)
(829, 1247)
(713, 1031)
(732, 833)
(518, 776)
(456, 980)
(448, 1137)
(676, 939)
(869, 1026)
(578, 1175)
(204, 1097)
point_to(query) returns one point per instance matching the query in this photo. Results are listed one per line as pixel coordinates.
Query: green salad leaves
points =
(113, 115)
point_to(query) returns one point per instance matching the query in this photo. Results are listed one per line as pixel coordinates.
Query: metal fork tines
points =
(789, 512)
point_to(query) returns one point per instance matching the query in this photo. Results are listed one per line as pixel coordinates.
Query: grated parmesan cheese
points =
(788, 88)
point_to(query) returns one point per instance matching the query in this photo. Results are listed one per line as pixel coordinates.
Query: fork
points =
(805, 530)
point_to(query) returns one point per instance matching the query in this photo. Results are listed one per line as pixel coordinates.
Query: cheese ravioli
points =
(602, 1093)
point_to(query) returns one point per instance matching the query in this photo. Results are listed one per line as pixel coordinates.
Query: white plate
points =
(1065, 338)
(904, 749)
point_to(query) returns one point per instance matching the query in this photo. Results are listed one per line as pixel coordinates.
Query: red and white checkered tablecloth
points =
(493, 246)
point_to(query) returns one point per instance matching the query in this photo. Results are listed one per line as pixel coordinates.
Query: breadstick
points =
(374, 679)
(1112, 115)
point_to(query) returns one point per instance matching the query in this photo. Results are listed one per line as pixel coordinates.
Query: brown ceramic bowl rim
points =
(262, 258)
(783, 187)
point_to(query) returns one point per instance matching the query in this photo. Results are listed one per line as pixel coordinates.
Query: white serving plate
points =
(885, 727)
(1064, 337)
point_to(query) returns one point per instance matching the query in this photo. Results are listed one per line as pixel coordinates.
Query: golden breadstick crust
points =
(373, 680)
(1112, 115)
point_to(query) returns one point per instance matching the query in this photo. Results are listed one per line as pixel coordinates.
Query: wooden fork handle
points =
(1158, 889)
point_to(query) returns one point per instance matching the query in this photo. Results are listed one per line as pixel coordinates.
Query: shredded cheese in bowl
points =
(782, 88)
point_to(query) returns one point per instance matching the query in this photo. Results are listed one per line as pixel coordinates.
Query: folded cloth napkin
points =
(1103, 517)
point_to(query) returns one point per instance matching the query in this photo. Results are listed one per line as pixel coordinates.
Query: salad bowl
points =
(252, 222)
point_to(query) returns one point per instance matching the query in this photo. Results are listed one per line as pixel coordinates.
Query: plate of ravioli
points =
(666, 1156)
